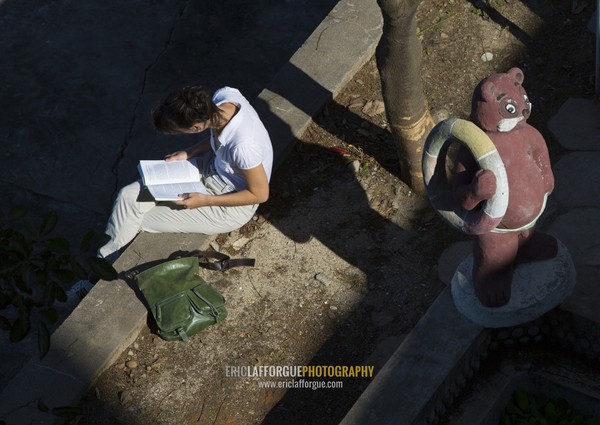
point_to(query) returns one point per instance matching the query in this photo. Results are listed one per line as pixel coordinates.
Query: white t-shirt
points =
(244, 142)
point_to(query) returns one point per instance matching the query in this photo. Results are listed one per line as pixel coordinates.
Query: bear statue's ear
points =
(517, 74)
(487, 90)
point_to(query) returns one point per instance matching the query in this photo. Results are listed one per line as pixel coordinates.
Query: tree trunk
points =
(399, 62)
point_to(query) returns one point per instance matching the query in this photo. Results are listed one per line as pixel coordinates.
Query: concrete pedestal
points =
(536, 288)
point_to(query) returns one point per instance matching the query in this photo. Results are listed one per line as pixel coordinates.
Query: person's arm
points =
(195, 150)
(256, 193)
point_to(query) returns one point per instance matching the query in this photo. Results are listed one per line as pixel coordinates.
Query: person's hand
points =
(177, 156)
(192, 200)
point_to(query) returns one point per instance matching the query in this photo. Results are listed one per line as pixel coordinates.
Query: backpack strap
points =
(220, 261)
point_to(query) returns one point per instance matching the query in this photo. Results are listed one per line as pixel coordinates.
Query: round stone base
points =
(536, 288)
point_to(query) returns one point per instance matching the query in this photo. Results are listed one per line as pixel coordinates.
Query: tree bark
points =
(399, 58)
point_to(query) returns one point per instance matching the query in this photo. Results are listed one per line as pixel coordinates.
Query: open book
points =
(166, 180)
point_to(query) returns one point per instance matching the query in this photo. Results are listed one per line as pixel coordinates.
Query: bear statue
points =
(500, 107)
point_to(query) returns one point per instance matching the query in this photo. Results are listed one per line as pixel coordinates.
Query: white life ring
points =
(439, 190)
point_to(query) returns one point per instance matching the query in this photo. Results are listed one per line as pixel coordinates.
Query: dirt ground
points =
(345, 252)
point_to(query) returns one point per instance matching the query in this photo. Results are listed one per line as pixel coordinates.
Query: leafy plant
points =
(528, 409)
(35, 267)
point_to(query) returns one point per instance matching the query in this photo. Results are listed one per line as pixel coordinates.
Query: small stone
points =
(524, 340)
(136, 346)
(323, 278)
(356, 104)
(487, 57)
(332, 307)
(354, 166)
(125, 397)
(240, 243)
(132, 364)
(215, 245)
(130, 353)
(374, 107)
(440, 115)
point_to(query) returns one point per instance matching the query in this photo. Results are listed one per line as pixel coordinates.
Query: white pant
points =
(131, 215)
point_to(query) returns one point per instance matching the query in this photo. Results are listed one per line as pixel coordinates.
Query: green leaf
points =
(20, 328)
(506, 419)
(42, 407)
(19, 245)
(43, 340)
(103, 268)
(78, 269)
(513, 409)
(49, 223)
(50, 315)
(521, 399)
(550, 413)
(577, 420)
(67, 411)
(59, 245)
(64, 275)
(49, 295)
(535, 412)
(60, 294)
(29, 277)
(17, 212)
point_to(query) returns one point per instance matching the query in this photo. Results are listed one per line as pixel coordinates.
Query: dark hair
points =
(183, 108)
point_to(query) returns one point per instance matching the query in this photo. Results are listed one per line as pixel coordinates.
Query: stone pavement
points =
(79, 79)
(75, 110)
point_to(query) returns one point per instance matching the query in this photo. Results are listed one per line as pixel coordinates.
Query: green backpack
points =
(180, 301)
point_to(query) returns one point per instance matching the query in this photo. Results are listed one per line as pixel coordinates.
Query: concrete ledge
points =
(111, 316)
(327, 60)
(410, 382)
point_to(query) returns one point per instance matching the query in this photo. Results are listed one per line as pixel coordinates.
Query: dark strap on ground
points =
(218, 261)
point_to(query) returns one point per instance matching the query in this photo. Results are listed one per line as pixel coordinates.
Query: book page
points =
(170, 192)
(163, 172)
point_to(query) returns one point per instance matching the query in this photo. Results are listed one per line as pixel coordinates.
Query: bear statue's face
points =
(500, 103)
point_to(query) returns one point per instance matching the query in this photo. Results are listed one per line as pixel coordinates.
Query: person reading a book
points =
(234, 166)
